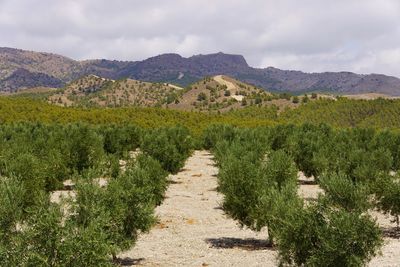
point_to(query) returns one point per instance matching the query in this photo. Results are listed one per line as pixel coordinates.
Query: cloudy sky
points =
(309, 35)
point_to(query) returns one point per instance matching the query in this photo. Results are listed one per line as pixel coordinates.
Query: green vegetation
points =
(171, 146)
(101, 220)
(339, 113)
(257, 150)
(258, 177)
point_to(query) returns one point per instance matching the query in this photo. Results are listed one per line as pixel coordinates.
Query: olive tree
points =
(340, 190)
(388, 196)
(318, 235)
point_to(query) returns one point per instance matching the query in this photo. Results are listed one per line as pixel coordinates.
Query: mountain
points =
(23, 78)
(46, 69)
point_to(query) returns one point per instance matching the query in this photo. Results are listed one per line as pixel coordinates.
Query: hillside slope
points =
(217, 93)
(95, 91)
(220, 93)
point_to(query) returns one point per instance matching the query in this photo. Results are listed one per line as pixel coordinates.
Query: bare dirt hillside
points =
(370, 96)
(193, 230)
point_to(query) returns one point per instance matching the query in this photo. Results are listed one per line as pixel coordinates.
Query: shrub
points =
(286, 96)
(47, 241)
(121, 210)
(279, 168)
(388, 196)
(84, 147)
(251, 187)
(304, 144)
(201, 96)
(155, 176)
(241, 186)
(131, 205)
(216, 133)
(341, 191)
(170, 146)
(120, 139)
(320, 236)
(26, 168)
(12, 204)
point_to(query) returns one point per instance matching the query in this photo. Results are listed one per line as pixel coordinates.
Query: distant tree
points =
(227, 93)
(295, 99)
(314, 95)
(284, 96)
(305, 99)
(201, 97)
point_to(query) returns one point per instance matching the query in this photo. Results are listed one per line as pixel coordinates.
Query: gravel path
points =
(193, 230)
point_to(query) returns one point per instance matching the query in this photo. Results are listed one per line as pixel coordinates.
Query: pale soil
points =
(173, 86)
(391, 249)
(193, 230)
(220, 79)
(370, 96)
(57, 196)
(230, 86)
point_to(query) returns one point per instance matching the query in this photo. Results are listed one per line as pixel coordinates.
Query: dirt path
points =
(193, 230)
(173, 86)
(229, 86)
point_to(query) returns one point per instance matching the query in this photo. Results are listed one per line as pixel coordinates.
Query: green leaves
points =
(120, 139)
(388, 196)
(170, 146)
(320, 236)
(258, 178)
(342, 191)
(253, 183)
(101, 221)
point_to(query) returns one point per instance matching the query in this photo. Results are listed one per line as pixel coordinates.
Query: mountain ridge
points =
(52, 70)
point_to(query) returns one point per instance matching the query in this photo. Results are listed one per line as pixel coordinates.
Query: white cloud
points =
(309, 35)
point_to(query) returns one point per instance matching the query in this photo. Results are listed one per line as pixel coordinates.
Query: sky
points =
(310, 35)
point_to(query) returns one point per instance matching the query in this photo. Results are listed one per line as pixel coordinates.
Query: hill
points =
(95, 91)
(46, 69)
(218, 93)
(223, 93)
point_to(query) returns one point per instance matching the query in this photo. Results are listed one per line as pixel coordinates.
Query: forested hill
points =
(20, 69)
